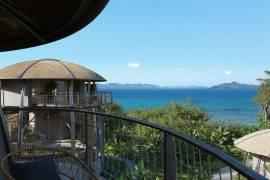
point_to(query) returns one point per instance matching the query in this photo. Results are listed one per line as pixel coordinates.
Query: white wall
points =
(11, 93)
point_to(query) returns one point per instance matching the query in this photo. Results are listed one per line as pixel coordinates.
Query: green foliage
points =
(220, 137)
(195, 123)
(116, 168)
(131, 140)
(140, 174)
(263, 97)
(113, 108)
(261, 123)
(223, 136)
(176, 116)
(30, 136)
(263, 101)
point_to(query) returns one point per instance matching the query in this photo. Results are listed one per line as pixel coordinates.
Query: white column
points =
(21, 118)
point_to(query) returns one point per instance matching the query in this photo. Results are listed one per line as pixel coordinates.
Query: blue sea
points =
(221, 104)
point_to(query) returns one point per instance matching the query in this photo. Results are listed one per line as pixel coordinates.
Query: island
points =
(235, 85)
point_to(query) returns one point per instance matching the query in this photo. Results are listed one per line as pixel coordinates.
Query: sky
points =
(168, 43)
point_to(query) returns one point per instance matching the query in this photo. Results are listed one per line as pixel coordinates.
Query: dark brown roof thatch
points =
(48, 69)
(27, 23)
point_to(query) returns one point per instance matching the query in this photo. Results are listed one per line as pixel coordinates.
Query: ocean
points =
(223, 105)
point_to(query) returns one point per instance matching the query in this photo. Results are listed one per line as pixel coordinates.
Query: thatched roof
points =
(255, 143)
(27, 23)
(48, 69)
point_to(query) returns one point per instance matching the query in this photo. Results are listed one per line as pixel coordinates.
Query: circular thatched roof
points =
(28, 23)
(48, 69)
(255, 143)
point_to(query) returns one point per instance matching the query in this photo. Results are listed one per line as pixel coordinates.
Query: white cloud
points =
(228, 73)
(180, 69)
(134, 65)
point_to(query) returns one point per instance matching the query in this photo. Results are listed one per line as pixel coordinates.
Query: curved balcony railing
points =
(119, 147)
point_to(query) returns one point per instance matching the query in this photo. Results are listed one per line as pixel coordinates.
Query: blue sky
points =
(169, 43)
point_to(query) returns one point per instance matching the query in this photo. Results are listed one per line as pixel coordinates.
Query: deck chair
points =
(38, 162)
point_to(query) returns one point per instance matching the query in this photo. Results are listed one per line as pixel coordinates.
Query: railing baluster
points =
(200, 162)
(20, 129)
(87, 160)
(169, 157)
(181, 157)
(230, 173)
(194, 159)
(187, 160)
(72, 132)
(220, 166)
(209, 167)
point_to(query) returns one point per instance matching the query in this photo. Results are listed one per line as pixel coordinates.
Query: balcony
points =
(116, 147)
(65, 100)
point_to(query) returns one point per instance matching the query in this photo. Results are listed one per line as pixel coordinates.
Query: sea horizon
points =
(222, 105)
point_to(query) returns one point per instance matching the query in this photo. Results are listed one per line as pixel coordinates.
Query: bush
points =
(176, 116)
(188, 120)
(261, 123)
(113, 108)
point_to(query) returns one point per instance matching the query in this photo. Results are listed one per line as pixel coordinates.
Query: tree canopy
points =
(263, 100)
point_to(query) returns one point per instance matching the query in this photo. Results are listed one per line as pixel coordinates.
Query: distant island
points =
(234, 85)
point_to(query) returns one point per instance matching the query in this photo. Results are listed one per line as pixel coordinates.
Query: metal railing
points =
(64, 99)
(105, 97)
(119, 147)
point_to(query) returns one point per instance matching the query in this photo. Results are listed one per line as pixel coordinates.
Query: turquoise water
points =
(222, 105)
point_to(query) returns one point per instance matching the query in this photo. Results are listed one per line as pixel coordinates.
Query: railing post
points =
(169, 157)
(72, 132)
(87, 147)
(72, 118)
(100, 144)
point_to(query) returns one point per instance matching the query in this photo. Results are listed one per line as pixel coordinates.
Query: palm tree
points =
(263, 97)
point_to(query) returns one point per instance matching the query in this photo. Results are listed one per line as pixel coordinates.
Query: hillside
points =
(234, 85)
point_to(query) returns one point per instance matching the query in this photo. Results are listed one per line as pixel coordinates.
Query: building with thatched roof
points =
(50, 83)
